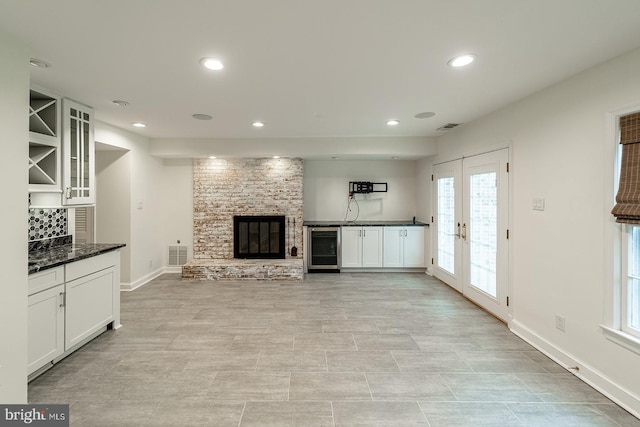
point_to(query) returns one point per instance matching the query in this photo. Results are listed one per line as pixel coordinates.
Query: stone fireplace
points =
(228, 188)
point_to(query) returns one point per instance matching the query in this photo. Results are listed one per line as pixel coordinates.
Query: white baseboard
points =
(586, 373)
(383, 270)
(127, 287)
(124, 286)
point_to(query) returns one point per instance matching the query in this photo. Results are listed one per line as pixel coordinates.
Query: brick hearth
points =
(240, 269)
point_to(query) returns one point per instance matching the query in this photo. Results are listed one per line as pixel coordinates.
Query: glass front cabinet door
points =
(78, 148)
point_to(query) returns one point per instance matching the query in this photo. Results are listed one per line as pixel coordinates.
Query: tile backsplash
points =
(47, 223)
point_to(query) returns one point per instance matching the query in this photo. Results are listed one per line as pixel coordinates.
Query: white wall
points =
(423, 190)
(146, 203)
(113, 204)
(326, 188)
(177, 196)
(14, 87)
(423, 204)
(558, 256)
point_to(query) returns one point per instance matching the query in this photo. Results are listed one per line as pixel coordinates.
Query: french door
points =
(471, 228)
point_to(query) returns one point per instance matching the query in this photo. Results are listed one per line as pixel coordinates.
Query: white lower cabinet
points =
(70, 305)
(89, 306)
(404, 246)
(361, 247)
(45, 327)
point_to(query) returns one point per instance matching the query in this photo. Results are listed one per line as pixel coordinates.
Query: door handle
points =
(458, 233)
(62, 299)
(464, 231)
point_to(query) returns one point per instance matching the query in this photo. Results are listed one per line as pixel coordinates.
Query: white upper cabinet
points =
(61, 151)
(78, 149)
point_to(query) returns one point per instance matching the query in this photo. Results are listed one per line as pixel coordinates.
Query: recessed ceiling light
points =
(335, 157)
(276, 157)
(395, 157)
(139, 124)
(392, 122)
(461, 60)
(425, 115)
(120, 102)
(39, 63)
(202, 116)
(212, 64)
(258, 124)
(212, 157)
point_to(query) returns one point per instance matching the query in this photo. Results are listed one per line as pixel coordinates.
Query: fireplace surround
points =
(224, 188)
(259, 237)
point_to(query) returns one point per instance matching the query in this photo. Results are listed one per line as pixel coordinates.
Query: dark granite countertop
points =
(406, 223)
(59, 251)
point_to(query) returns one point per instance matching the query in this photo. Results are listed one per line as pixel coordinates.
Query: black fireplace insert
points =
(259, 237)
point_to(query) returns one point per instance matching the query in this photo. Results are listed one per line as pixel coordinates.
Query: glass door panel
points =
(483, 232)
(446, 224)
(78, 154)
(74, 174)
(447, 202)
(470, 199)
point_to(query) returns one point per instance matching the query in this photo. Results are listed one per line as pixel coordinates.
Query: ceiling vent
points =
(449, 126)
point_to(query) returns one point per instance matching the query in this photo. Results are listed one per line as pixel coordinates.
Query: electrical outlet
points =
(560, 321)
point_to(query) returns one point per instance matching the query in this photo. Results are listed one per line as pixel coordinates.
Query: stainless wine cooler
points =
(324, 254)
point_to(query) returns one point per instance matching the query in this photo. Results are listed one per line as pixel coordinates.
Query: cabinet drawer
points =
(45, 279)
(91, 265)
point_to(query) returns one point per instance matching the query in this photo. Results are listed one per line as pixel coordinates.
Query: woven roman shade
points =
(627, 208)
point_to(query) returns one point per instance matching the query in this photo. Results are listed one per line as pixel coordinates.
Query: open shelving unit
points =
(42, 164)
(44, 141)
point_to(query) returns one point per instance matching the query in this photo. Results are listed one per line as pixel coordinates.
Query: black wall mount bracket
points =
(365, 187)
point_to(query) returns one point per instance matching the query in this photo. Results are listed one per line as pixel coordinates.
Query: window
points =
(630, 286)
(622, 321)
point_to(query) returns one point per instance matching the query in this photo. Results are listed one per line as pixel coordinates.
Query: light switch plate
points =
(538, 203)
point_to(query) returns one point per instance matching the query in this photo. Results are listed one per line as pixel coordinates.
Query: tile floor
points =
(335, 350)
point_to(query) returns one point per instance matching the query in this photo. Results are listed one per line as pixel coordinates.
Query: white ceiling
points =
(311, 68)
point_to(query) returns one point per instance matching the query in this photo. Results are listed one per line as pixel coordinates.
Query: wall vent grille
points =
(177, 256)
